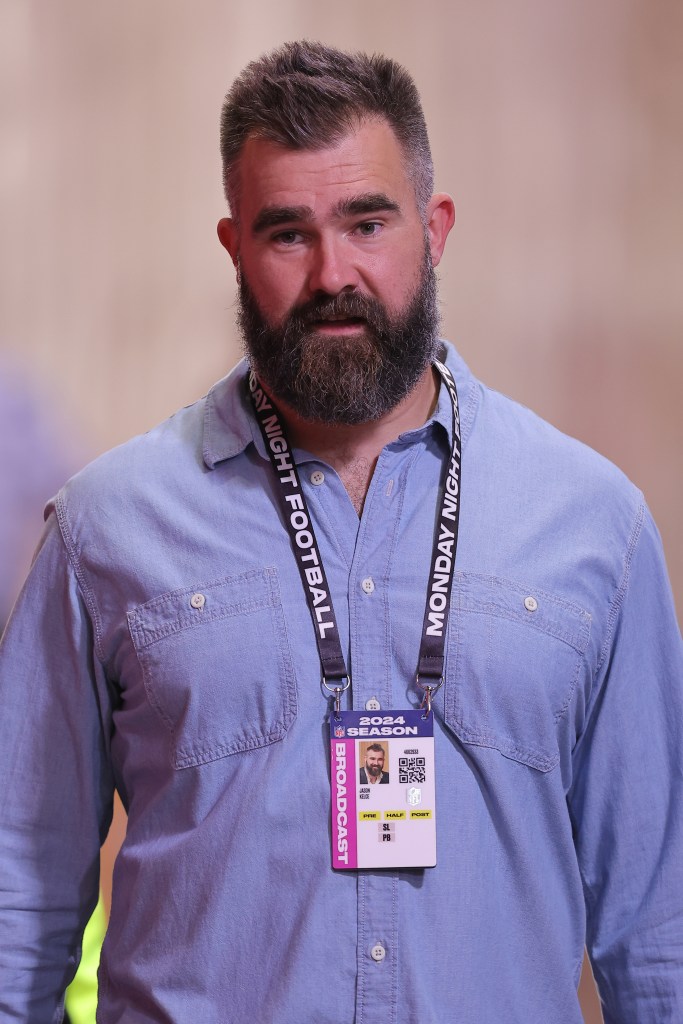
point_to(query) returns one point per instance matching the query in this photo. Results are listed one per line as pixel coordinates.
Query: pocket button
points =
(197, 601)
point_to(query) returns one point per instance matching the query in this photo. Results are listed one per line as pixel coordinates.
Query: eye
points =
(287, 238)
(369, 228)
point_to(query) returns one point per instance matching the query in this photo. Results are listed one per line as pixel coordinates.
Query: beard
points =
(350, 379)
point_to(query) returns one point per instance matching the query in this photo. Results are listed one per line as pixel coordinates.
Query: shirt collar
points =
(229, 423)
(441, 419)
(227, 417)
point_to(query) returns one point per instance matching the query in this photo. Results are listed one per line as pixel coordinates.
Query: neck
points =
(353, 450)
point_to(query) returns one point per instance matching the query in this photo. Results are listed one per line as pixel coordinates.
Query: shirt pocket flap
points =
(514, 657)
(217, 666)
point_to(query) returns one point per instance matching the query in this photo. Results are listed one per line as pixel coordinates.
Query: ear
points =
(440, 220)
(228, 235)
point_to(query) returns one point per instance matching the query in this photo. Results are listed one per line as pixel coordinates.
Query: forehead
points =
(367, 159)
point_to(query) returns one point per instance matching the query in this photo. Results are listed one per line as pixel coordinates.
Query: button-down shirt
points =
(163, 646)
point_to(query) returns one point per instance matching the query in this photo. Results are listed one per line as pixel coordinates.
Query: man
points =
(372, 773)
(169, 642)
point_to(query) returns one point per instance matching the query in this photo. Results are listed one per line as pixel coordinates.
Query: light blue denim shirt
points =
(558, 735)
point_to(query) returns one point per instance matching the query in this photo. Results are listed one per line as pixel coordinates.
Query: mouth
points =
(339, 324)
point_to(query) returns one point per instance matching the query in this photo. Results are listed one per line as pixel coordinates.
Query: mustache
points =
(351, 305)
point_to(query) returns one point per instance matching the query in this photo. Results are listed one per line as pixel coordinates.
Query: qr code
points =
(411, 769)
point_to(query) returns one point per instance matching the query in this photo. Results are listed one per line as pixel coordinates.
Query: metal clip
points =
(429, 691)
(336, 692)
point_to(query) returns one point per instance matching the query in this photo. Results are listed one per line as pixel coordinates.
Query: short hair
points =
(305, 95)
(375, 746)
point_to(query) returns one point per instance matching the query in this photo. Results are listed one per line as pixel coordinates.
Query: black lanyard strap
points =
(300, 528)
(305, 546)
(431, 661)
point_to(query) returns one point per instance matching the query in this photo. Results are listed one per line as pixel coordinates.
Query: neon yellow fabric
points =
(81, 995)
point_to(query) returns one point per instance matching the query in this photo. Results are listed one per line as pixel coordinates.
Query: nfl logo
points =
(339, 730)
(414, 796)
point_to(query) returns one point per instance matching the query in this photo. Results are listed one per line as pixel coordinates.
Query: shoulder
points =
(139, 474)
(539, 508)
(510, 449)
(171, 459)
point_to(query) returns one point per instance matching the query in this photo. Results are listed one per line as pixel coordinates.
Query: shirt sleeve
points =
(57, 786)
(626, 800)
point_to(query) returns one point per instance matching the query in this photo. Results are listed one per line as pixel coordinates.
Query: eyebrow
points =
(272, 216)
(353, 206)
(367, 202)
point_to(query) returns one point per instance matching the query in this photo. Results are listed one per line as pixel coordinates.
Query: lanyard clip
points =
(336, 689)
(427, 701)
(428, 692)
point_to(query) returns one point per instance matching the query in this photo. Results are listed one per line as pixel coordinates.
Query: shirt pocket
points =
(217, 665)
(515, 654)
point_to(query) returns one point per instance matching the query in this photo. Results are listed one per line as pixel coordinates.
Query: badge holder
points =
(383, 807)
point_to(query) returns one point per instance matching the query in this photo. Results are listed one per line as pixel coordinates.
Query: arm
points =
(626, 800)
(57, 786)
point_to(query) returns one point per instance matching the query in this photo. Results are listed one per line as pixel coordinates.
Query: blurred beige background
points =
(556, 124)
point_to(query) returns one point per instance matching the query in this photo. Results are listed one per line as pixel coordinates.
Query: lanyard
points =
(305, 546)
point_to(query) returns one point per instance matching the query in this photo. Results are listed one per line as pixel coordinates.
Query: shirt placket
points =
(371, 666)
(368, 548)
(377, 951)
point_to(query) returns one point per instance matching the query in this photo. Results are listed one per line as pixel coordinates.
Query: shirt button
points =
(197, 601)
(531, 604)
(317, 478)
(378, 953)
(372, 705)
(368, 584)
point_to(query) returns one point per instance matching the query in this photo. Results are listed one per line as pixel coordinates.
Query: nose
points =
(332, 268)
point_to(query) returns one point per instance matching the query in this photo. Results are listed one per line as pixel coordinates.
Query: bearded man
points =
(288, 549)
(372, 773)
